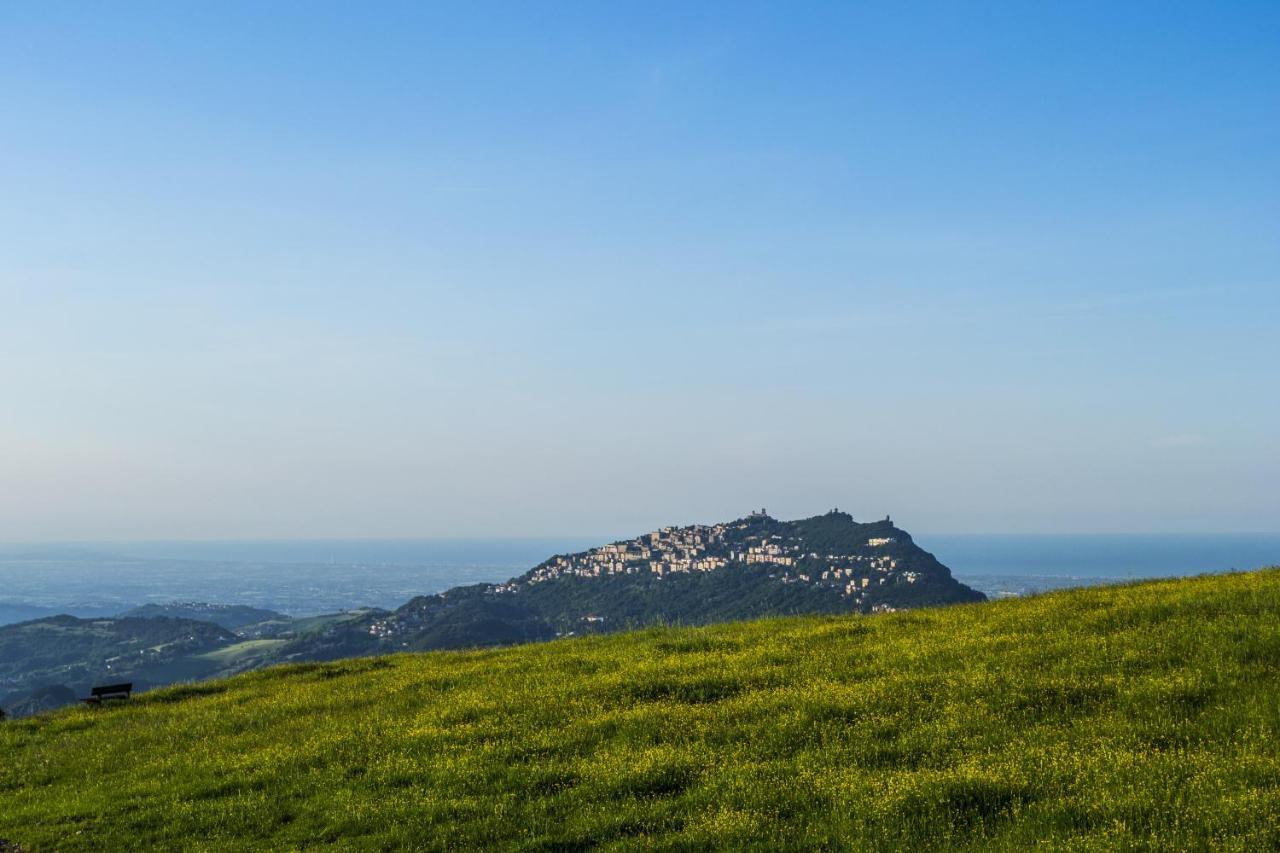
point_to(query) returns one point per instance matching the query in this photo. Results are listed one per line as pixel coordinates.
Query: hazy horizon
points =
(310, 577)
(604, 538)
(288, 272)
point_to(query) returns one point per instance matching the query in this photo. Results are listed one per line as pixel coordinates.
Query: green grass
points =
(1134, 717)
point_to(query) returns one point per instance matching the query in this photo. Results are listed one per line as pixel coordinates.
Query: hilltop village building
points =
(703, 548)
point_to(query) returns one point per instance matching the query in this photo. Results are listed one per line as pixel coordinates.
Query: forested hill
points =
(62, 656)
(752, 567)
(233, 617)
(699, 574)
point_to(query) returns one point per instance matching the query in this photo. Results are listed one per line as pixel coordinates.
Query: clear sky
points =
(382, 269)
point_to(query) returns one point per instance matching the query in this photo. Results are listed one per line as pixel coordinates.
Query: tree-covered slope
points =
(76, 653)
(233, 617)
(1134, 717)
(694, 575)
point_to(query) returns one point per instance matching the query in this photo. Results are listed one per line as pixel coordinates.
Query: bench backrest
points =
(113, 690)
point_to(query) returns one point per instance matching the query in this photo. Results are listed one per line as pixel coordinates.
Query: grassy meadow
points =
(1135, 717)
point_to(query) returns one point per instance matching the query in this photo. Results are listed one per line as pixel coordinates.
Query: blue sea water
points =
(1021, 564)
(299, 578)
(320, 576)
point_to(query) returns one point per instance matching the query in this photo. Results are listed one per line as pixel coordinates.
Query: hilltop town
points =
(695, 574)
(753, 566)
(747, 541)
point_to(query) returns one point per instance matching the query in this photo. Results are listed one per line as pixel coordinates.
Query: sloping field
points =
(1115, 718)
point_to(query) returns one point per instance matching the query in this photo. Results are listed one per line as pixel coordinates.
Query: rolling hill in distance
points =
(753, 567)
(1125, 717)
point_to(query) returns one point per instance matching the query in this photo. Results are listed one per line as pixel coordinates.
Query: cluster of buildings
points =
(703, 548)
(756, 540)
(382, 628)
(667, 551)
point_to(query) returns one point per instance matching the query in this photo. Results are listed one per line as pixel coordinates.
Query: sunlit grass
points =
(1118, 718)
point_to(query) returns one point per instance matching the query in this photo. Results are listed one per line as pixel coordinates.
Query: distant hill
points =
(229, 616)
(76, 653)
(749, 568)
(10, 613)
(752, 567)
(150, 650)
(42, 699)
(1137, 717)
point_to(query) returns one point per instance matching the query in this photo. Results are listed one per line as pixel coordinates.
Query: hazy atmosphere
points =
(280, 272)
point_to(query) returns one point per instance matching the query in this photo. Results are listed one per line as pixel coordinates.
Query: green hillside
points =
(73, 654)
(233, 617)
(1117, 718)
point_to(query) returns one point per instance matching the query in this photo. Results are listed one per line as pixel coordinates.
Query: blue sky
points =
(322, 269)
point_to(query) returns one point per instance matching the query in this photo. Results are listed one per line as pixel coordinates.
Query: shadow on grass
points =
(184, 692)
(966, 806)
(697, 691)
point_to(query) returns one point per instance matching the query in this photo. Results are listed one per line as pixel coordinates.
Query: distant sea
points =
(299, 578)
(320, 576)
(1002, 565)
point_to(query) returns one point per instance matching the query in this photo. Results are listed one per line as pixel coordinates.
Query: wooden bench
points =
(98, 695)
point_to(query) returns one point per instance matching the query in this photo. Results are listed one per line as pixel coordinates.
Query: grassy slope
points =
(1103, 718)
(243, 651)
